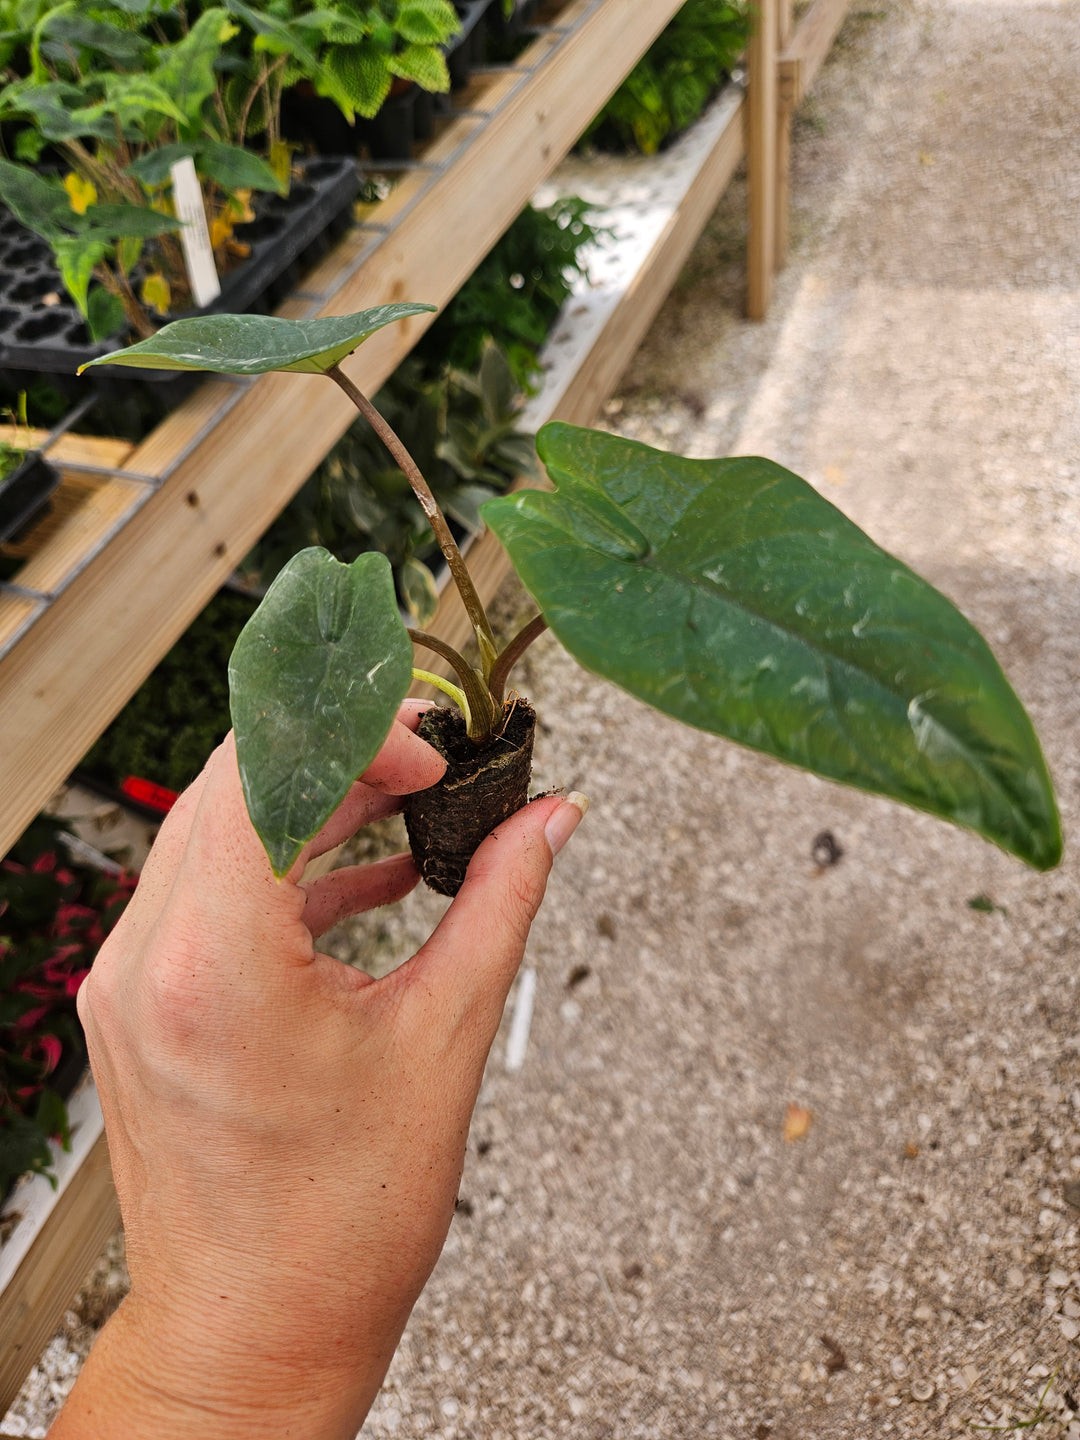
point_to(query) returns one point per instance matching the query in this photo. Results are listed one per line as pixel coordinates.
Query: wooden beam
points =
(57, 1263)
(801, 60)
(761, 149)
(784, 26)
(63, 683)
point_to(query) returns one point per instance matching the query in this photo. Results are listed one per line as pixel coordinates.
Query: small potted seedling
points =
(727, 593)
(26, 478)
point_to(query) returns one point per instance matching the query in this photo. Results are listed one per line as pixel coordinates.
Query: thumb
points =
(475, 951)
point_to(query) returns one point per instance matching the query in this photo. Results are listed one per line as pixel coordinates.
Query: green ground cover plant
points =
(676, 77)
(727, 593)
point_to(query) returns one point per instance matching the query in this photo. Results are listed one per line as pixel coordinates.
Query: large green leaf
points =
(254, 344)
(315, 679)
(730, 594)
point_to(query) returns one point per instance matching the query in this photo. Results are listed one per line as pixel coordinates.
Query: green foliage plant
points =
(12, 454)
(672, 83)
(354, 52)
(727, 593)
(515, 293)
(119, 93)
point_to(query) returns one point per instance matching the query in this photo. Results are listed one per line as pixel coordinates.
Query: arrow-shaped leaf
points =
(254, 344)
(315, 680)
(730, 594)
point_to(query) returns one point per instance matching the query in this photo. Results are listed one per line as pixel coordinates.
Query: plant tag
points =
(195, 237)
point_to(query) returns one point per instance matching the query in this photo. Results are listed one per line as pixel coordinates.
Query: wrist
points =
(151, 1376)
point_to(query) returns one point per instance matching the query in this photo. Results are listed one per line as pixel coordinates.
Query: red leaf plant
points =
(54, 916)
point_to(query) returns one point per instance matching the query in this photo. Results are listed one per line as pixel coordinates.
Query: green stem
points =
(512, 654)
(447, 544)
(481, 710)
(458, 696)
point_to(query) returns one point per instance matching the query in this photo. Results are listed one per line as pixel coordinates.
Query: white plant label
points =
(195, 236)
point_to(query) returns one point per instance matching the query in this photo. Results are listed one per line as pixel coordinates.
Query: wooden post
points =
(761, 148)
(784, 22)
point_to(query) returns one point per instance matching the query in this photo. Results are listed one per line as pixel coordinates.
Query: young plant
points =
(354, 50)
(673, 81)
(118, 107)
(727, 593)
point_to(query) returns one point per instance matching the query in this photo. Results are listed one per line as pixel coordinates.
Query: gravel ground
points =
(794, 1151)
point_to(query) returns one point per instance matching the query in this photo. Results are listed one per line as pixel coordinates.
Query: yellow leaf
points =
(81, 193)
(239, 207)
(157, 293)
(281, 152)
(797, 1122)
(220, 231)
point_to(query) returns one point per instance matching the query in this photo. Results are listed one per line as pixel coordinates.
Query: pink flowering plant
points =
(54, 916)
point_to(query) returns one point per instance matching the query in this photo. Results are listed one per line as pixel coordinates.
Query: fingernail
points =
(565, 820)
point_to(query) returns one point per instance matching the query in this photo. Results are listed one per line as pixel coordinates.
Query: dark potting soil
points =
(481, 788)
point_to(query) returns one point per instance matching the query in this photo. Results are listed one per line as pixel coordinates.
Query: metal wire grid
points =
(313, 303)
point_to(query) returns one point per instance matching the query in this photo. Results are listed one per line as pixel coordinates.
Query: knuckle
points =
(520, 902)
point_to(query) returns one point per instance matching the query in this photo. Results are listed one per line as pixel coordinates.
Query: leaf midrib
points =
(650, 562)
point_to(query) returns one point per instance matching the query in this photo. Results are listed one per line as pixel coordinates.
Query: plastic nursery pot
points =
(25, 492)
(390, 133)
(481, 788)
(313, 120)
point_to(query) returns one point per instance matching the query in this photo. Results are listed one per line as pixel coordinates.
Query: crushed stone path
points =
(639, 1253)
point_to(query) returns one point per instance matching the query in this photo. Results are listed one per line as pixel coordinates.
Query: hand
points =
(287, 1135)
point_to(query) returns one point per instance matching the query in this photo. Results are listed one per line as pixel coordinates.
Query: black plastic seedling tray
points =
(468, 49)
(24, 492)
(41, 329)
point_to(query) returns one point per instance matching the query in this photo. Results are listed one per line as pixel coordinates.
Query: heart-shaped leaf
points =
(730, 594)
(254, 344)
(315, 680)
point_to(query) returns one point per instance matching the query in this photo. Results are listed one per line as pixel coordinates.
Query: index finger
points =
(221, 822)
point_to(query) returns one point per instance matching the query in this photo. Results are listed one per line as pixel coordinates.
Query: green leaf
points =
(136, 221)
(356, 78)
(132, 97)
(104, 313)
(186, 69)
(152, 169)
(316, 678)
(235, 168)
(285, 37)
(423, 64)
(254, 344)
(64, 35)
(426, 22)
(75, 258)
(730, 594)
